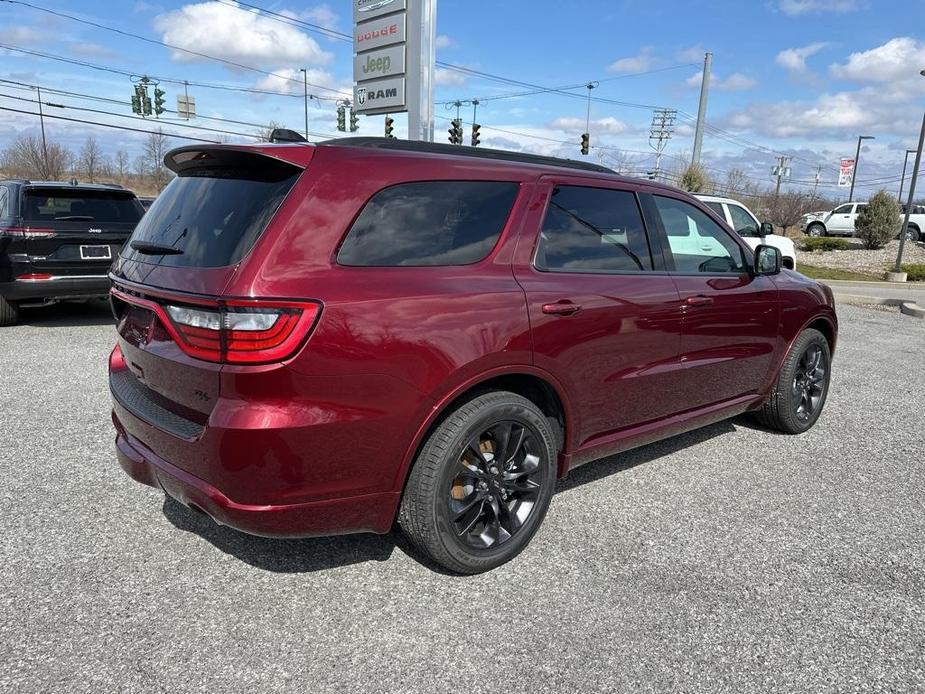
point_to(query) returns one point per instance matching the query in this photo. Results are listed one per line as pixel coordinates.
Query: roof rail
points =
(462, 151)
(113, 185)
(16, 180)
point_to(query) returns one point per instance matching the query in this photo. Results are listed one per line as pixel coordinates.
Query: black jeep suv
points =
(57, 241)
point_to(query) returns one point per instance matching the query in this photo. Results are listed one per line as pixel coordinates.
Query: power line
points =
(172, 47)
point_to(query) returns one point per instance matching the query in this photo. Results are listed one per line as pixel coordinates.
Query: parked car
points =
(840, 222)
(811, 217)
(746, 225)
(320, 339)
(57, 241)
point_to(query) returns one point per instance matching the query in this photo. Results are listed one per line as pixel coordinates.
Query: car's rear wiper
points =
(149, 248)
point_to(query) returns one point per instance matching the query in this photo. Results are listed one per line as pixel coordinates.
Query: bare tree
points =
(264, 133)
(90, 160)
(121, 164)
(736, 182)
(785, 210)
(155, 149)
(25, 157)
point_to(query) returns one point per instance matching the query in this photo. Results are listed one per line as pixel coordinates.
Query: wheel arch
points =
(538, 386)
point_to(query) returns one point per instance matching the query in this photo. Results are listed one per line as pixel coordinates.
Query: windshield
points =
(211, 217)
(80, 205)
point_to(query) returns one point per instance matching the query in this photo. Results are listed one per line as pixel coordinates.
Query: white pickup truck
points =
(840, 221)
(746, 225)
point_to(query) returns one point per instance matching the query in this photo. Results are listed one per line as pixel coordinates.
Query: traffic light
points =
(456, 131)
(341, 119)
(475, 134)
(146, 109)
(585, 143)
(389, 121)
(159, 101)
(354, 121)
(138, 99)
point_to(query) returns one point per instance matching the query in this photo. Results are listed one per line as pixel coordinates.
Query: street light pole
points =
(915, 175)
(902, 181)
(857, 157)
(305, 84)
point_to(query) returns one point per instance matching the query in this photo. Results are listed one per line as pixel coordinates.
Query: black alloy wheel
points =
(809, 382)
(497, 485)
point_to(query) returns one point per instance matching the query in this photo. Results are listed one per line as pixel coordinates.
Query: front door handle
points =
(561, 308)
(698, 301)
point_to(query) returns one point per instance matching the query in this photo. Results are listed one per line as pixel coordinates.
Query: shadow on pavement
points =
(68, 315)
(282, 555)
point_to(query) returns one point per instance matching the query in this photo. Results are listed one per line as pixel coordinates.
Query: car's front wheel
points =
(815, 230)
(912, 234)
(9, 312)
(797, 398)
(480, 487)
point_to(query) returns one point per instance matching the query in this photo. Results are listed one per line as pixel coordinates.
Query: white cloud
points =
(322, 15)
(448, 78)
(22, 35)
(601, 125)
(897, 59)
(736, 82)
(794, 59)
(234, 33)
(444, 41)
(638, 63)
(795, 8)
(290, 81)
(692, 54)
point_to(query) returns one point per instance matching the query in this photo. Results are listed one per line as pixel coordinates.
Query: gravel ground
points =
(860, 260)
(730, 559)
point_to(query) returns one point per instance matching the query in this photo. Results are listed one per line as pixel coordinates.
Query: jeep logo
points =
(380, 64)
(95, 231)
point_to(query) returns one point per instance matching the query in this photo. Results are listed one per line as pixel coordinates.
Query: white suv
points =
(746, 225)
(840, 221)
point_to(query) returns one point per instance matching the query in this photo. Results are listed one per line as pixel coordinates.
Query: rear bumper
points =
(368, 513)
(56, 287)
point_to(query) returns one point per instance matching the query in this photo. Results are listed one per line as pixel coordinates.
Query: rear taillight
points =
(235, 331)
(27, 232)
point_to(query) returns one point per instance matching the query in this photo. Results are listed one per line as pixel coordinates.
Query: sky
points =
(802, 78)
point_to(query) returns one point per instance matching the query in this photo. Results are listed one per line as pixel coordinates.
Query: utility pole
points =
(702, 110)
(660, 132)
(305, 85)
(857, 157)
(816, 180)
(422, 41)
(902, 180)
(42, 123)
(781, 171)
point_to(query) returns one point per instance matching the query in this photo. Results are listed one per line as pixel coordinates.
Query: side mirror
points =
(766, 229)
(767, 260)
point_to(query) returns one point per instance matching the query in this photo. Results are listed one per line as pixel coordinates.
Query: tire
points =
(460, 509)
(912, 234)
(9, 312)
(816, 230)
(798, 396)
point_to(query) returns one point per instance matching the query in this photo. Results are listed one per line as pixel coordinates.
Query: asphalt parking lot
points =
(728, 559)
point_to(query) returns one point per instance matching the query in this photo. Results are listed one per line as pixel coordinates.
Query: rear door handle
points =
(561, 308)
(698, 301)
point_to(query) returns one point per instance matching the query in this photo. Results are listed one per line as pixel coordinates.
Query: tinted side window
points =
(429, 223)
(742, 221)
(696, 242)
(717, 207)
(844, 209)
(593, 230)
(4, 201)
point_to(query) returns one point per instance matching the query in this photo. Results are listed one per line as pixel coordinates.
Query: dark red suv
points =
(320, 339)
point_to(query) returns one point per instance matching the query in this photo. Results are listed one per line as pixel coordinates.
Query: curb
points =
(908, 308)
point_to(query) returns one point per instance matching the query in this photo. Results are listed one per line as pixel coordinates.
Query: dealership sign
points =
(845, 172)
(380, 69)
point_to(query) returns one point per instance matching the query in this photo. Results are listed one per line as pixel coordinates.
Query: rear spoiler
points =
(184, 159)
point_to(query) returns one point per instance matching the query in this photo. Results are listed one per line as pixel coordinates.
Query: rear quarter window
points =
(429, 223)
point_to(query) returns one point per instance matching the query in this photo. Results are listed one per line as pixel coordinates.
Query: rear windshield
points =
(76, 205)
(429, 223)
(214, 216)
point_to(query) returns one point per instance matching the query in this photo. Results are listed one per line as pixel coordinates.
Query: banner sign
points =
(846, 172)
